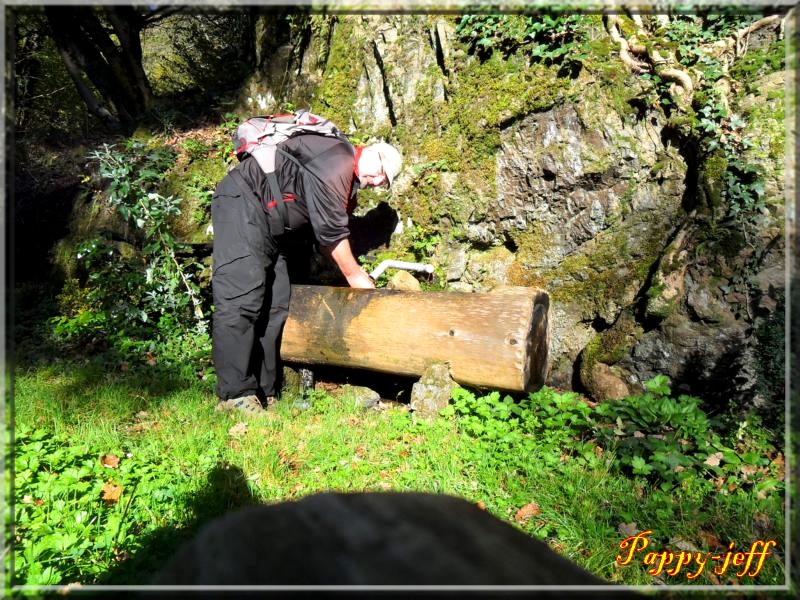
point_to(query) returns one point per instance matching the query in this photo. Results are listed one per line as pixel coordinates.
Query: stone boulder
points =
(432, 392)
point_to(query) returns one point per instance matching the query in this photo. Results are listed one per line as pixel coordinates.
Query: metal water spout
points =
(400, 264)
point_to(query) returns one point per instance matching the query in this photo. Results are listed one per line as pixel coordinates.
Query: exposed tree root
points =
(646, 58)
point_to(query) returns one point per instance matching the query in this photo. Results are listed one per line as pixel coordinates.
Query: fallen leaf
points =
(526, 512)
(638, 434)
(481, 504)
(762, 521)
(151, 359)
(404, 453)
(110, 461)
(238, 430)
(683, 544)
(748, 470)
(598, 451)
(361, 451)
(713, 460)
(111, 492)
(779, 464)
(64, 591)
(628, 529)
(710, 574)
(711, 541)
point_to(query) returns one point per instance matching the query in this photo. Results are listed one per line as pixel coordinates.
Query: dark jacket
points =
(318, 193)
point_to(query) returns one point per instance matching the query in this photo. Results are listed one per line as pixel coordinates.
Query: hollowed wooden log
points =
(496, 340)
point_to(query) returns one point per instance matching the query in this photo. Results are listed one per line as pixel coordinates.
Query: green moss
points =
(712, 179)
(337, 94)
(610, 263)
(193, 181)
(756, 63)
(610, 346)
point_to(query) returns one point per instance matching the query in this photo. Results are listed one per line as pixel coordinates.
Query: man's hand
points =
(342, 255)
(361, 280)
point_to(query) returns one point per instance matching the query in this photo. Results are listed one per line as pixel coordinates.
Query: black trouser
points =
(251, 293)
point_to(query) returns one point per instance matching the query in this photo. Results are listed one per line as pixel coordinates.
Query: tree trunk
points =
(115, 71)
(495, 340)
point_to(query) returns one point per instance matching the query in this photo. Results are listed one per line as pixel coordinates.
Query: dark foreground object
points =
(368, 539)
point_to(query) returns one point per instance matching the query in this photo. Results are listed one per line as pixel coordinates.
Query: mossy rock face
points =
(336, 95)
(597, 371)
(193, 180)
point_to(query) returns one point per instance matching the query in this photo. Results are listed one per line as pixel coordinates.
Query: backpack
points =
(260, 137)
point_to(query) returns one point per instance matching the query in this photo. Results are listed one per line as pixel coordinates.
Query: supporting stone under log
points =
(498, 340)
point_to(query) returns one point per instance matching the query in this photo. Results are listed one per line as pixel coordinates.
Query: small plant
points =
(423, 243)
(78, 510)
(129, 288)
(548, 38)
(195, 148)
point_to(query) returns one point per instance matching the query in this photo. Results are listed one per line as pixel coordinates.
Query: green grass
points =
(182, 463)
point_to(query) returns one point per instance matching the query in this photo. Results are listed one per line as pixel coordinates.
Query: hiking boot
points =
(246, 404)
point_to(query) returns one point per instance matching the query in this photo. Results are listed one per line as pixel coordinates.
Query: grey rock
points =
(431, 394)
(605, 384)
(457, 264)
(403, 280)
(363, 397)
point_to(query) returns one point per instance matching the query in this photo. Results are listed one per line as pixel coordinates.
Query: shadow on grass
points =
(226, 490)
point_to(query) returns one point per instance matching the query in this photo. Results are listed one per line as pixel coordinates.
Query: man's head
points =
(378, 164)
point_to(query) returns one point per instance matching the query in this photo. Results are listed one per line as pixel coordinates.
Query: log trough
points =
(498, 339)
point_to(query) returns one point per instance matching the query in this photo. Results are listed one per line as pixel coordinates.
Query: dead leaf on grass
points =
(713, 460)
(711, 541)
(481, 504)
(762, 522)
(748, 470)
(628, 529)
(68, 588)
(684, 545)
(780, 466)
(111, 492)
(110, 461)
(238, 430)
(526, 512)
